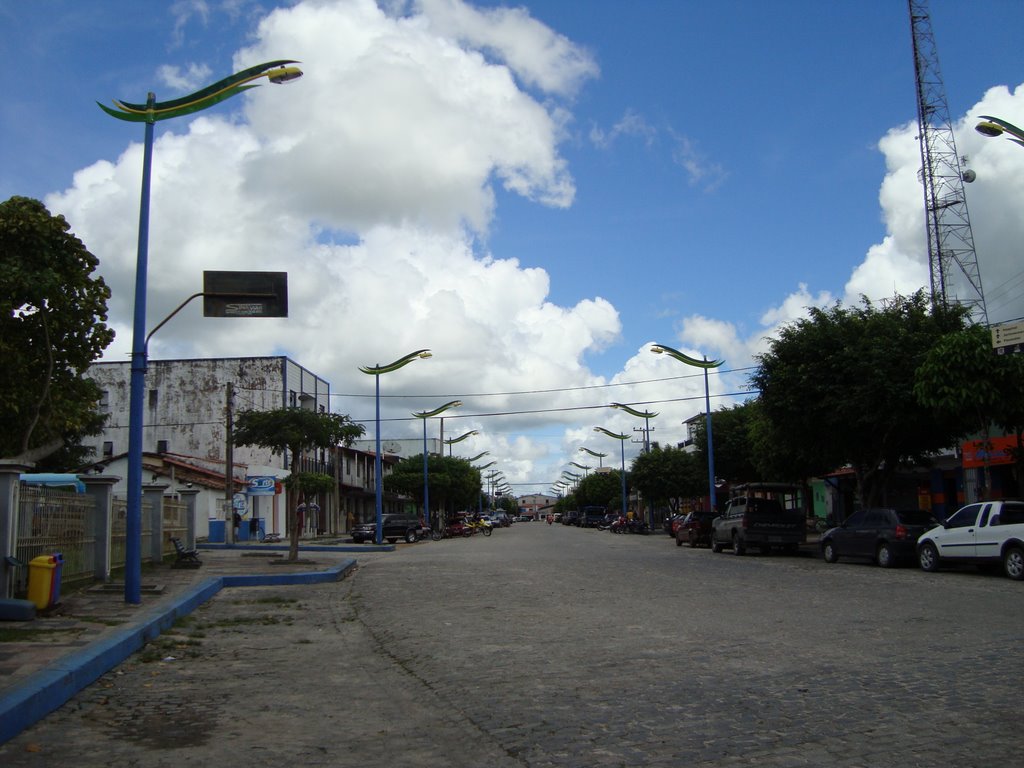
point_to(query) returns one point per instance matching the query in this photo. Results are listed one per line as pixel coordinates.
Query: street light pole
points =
(622, 446)
(376, 371)
(706, 365)
(424, 415)
(595, 454)
(458, 439)
(148, 113)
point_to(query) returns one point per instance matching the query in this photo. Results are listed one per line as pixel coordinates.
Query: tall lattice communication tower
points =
(952, 260)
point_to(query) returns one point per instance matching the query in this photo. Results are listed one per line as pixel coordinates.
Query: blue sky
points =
(539, 195)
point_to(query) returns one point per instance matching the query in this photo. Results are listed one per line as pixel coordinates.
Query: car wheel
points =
(928, 557)
(715, 546)
(1013, 563)
(435, 535)
(410, 537)
(737, 545)
(884, 556)
(829, 553)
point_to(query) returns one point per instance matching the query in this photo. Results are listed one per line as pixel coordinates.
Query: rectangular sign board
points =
(1008, 338)
(245, 294)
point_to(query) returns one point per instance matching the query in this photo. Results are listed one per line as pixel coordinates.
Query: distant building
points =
(184, 436)
(535, 504)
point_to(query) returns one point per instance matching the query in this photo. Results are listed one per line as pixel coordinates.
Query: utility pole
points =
(229, 465)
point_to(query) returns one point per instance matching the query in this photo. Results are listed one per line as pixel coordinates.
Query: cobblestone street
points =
(554, 646)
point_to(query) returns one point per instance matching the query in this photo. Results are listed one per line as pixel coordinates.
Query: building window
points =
(108, 449)
(152, 398)
(104, 404)
(161, 446)
(293, 399)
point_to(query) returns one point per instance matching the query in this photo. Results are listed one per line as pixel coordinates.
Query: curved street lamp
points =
(706, 365)
(376, 371)
(622, 445)
(994, 126)
(480, 496)
(584, 467)
(646, 416)
(595, 454)
(277, 72)
(424, 415)
(459, 439)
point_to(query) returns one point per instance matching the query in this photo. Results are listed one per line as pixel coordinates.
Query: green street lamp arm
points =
(633, 411)
(581, 466)
(436, 411)
(611, 434)
(275, 71)
(376, 370)
(593, 453)
(485, 466)
(684, 358)
(479, 456)
(994, 126)
(460, 438)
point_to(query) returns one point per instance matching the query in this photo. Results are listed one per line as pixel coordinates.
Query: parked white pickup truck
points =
(987, 532)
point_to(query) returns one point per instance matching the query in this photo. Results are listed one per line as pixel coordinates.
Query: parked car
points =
(523, 519)
(758, 522)
(671, 524)
(985, 533)
(886, 536)
(591, 516)
(394, 527)
(695, 529)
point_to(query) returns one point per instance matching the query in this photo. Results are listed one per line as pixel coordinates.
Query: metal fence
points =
(175, 523)
(52, 521)
(119, 533)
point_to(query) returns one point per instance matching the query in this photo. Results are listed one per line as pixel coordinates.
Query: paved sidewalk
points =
(93, 629)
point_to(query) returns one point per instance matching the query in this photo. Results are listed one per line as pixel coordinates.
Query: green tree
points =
(600, 489)
(53, 316)
(296, 431)
(837, 389)
(973, 388)
(731, 434)
(454, 482)
(668, 475)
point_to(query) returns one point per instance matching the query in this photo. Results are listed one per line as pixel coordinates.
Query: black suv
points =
(394, 527)
(886, 536)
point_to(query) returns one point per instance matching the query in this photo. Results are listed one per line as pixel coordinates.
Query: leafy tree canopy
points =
(53, 314)
(600, 489)
(971, 387)
(666, 475)
(837, 389)
(296, 430)
(453, 481)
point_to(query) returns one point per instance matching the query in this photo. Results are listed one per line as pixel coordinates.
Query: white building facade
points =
(185, 426)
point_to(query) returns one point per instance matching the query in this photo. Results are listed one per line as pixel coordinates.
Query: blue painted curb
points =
(303, 548)
(52, 686)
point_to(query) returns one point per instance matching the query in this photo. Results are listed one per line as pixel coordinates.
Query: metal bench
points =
(186, 558)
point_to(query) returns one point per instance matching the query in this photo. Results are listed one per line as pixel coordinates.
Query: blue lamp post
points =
(459, 439)
(595, 454)
(480, 497)
(622, 446)
(646, 416)
(376, 371)
(424, 415)
(706, 365)
(148, 113)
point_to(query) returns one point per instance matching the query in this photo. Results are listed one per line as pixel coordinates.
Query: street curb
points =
(302, 547)
(51, 687)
